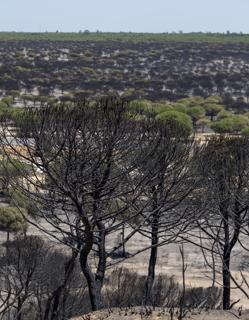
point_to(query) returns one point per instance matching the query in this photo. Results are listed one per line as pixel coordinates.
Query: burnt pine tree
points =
(82, 178)
(224, 169)
(169, 182)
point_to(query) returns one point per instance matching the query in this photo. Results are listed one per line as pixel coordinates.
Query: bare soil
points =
(140, 314)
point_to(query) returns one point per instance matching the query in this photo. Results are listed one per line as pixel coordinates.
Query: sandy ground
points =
(197, 273)
(169, 262)
(138, 314)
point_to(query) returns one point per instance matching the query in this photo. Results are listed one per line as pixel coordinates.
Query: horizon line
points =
(86, 31)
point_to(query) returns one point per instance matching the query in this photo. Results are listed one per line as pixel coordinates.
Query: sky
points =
(125, 15)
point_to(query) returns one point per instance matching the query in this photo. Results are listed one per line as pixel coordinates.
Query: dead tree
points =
(83, 160)
(32, 282)
(224, 167)
(182, 303)
(169, 182)
(17, 270)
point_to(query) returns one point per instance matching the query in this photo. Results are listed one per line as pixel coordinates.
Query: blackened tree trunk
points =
(153, 259)
(226, 281)
(92, 286)
(123, 241)
(226, 256)
(94, 280)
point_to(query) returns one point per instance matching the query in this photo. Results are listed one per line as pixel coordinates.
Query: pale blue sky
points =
(125, 15)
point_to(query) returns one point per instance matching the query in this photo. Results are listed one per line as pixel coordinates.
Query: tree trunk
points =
(94, 288)
(182, 300)
(153, 259)
(91, 283)
(19, 309)
(226, 254)
(94, 281)
(123, 242)
(226, 281)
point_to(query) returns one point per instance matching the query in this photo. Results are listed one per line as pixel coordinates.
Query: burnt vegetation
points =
(93, 174)
(147, 69)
